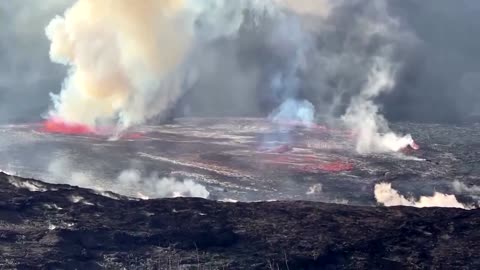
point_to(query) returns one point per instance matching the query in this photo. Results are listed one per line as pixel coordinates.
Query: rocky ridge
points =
(44, 226)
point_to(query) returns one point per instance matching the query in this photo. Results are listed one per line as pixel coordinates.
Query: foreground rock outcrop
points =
(46, 226)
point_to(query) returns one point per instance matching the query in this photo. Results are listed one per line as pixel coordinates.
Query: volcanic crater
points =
(249, 159)
(239, 164)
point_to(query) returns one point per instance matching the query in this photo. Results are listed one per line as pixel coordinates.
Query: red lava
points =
(414, 145)
(337, 166)
(56, 125)
(309, 163)
(334, 167)
(132, 136)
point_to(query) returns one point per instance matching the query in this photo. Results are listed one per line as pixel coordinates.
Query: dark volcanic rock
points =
(46, 226)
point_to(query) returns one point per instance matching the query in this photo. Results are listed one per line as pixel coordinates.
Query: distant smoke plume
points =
(386, 195)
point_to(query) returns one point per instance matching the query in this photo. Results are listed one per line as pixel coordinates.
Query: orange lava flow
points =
(133, 136)
(55, 125)
(308, 163)
(337, 166)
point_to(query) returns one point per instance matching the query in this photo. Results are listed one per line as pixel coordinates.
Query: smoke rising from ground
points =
(386, 195)
(155, 187)
(61, 171)
(129, 182)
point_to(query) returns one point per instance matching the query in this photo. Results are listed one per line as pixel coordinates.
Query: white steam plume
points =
(386, 195)
(129, 182)
(362, 115)
(61, 171)
(371, 128)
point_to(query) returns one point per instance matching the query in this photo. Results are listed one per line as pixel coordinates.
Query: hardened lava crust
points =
(45, 226)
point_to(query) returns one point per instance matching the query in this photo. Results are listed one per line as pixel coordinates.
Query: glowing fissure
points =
(56, 125)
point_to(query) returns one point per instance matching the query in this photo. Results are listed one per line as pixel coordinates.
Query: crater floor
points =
(246, 159)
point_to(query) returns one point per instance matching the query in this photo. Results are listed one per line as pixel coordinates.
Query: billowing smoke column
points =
(128, 59)
(121, 53)
(133, 60)
(363, 114)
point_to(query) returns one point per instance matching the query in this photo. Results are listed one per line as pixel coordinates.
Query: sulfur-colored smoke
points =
(117, 51)
(128, 59)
